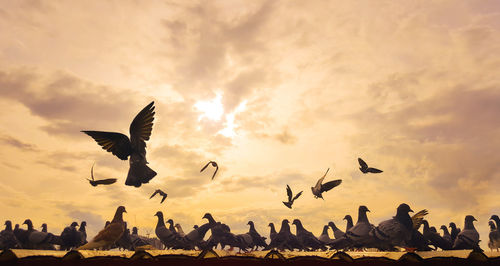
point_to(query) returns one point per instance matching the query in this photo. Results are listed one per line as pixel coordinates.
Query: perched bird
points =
(272, 231)
(358, 235)
(138, 240)
(319, 188)
(469, 237)
(110, 234)
(494, 235)
(349, 224)
(94, 182)
(7, 238)
(167, 237)
(214, 164)
(37, 239)
(454, 231)
(446, 235)
(435, 239)
(44, 227)
(337, 233)
(70, 237)
(125, 241)
(83, 233)
(159, 191)
(178, 227)
(291, 199)
(285, 239)
(221, 234)
(396, 231)
(257, 239)
(324, 237)
(135, 147)
(365, 169)
(195, 237)
(21, 235)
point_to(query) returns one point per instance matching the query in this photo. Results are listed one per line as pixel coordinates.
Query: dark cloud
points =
(9, 140)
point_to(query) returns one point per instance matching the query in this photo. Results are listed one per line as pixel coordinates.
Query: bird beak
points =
(474, 219)
(411, 210)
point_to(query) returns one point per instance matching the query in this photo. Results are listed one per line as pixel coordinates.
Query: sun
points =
(212, 109)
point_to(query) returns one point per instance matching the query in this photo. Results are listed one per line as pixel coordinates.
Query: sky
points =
(276, 92)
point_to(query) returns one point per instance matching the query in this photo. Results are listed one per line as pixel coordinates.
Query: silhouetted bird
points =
(358, 235)
(159, 191)
(291, 199)
(365, 169)
(167, 237)
(337, 233)
(285, 239)
(272, 231)
(44, 227)
(469, 237)
(178, 227)
(70, 237)
(195, 237)
(324, 237)
(135, 147)
(454, 231)
(349, 224)
(257, 239)
(396, 231)
(434, 238)
(110, 234)
(39, 240)
(7, 238)
(319, 188)
(214, 164)
(83, 233)
(446, 235)
(494, 236)
(94, 182)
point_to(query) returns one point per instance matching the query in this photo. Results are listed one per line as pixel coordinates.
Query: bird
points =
(125, 241)
(135, 147)
(167, 237)
(291, 199)
(21, 235)
(358, 235)
(257, 239)
(396, 231)
(435, 239)
(272, 231)
(324, 237)
(195, 237)
(454, 231)
(349, 224)
(70, 237)
(37, 239)
(446, 235)
(214, 164)
(178, 227)
(494, 236)
(337, 233)
(44, 227)
(285, 239)
(83, 233)
(221, 234)
(468, 238)
(110, 234)
(159, 191)
(319, 188)
(94, 182)
(7, 238)
(365, 169)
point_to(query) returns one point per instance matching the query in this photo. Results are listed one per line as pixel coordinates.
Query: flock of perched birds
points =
(400, 231)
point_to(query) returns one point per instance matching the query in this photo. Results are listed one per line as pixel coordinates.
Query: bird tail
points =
(139, 173)
(92, 245)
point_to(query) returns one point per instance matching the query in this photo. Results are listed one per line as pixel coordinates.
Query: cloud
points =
(9, 140)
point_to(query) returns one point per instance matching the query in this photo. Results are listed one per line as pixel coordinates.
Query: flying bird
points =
(319, 188)
(94, 182)
(214, 164)
(291, 199)
(365, 169)
(135, 147)
(163, 194)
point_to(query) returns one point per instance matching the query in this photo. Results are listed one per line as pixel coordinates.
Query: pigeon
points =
(70, 237)
(195, 237)
(324, 237)
(494, 235)
(7, 238)
(135, 147)
(396, 231)
(221, 234)
(21, 235)
(110, 234)
(83, 233)
(349, 224)
(257, 239)
(358, 235)
(180, 232)
(454, 231)
(214, 164)
(291, 199)
(167, 237)
(163, 194)
(365, 169)
(125, 241)
(285, 239)
(446, 235)
(272, 231)
(337, 233)
(319, 188)
(469, 237)
(37, 239)
(94, 182)
(139, 241)
(44, 227)
(434, 238)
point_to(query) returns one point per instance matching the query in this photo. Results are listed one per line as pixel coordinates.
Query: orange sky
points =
(275, 91)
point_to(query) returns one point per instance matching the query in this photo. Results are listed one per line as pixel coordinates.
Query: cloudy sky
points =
(275, 91)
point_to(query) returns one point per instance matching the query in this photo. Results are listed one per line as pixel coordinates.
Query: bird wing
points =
(141, 127)
(373, 170)
(116, 143)
(204, 167)
(164, 197)
(331, 184)
(289, 192)
(362, 163)
(156, 192)
(111, 233)
(107, 181)
(92, 172)
(216, 169)
(318, 184)
(297, 196)
(418, 218)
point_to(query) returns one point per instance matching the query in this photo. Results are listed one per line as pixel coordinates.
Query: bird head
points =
(363, 208)
(171, 222)
(443, 227)
(404, 208)
(425, 223)
(250, 223)
(195, 226)
(270, 224)
(44, 225)
(332, 225)
(159, 214)
(121, 209)
(347, 217)
(452, 225)
(8, 223)
(207, 216)
(296, 222)
(73, 224)
(285, 221)
(83, 224)
(470, 218)
(28, 222)
(134, 230)
(494, 217)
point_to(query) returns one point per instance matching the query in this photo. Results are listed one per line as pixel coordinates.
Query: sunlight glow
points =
(212, 109)
(230, 125)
